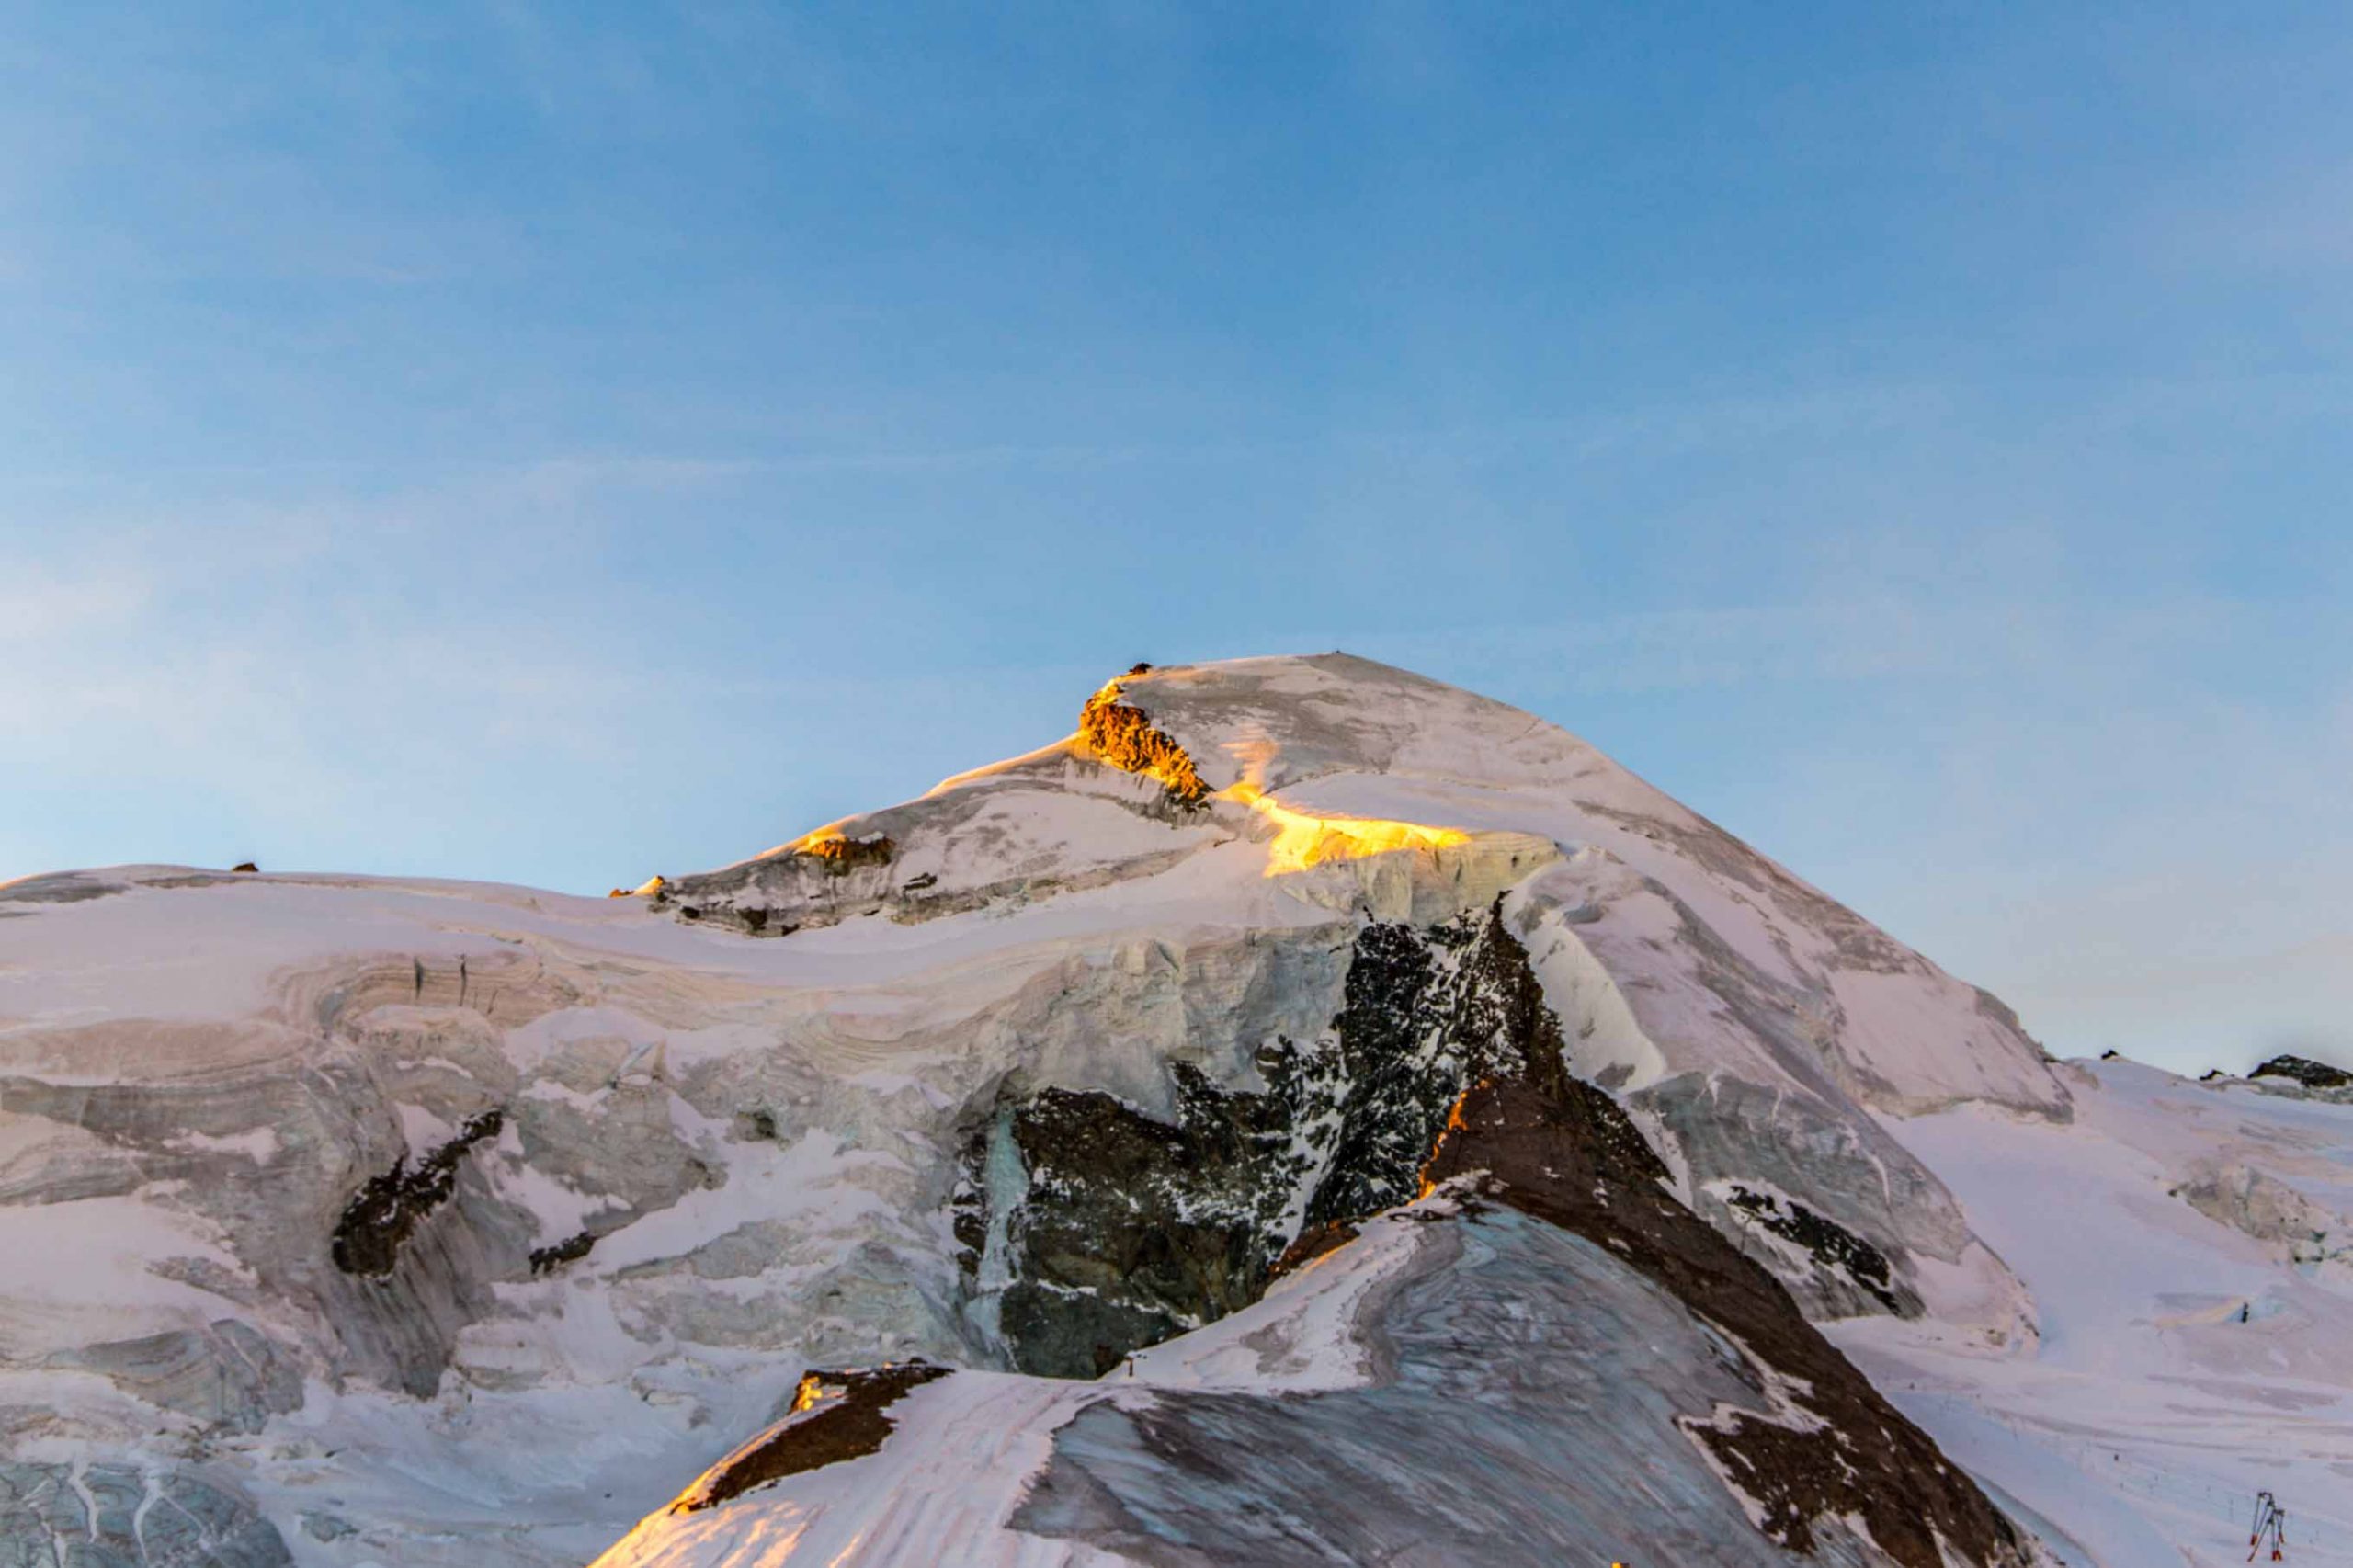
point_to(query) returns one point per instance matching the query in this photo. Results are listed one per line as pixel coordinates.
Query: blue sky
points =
(555, 443)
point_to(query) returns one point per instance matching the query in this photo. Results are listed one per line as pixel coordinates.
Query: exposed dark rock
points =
(1562, 1150)
(245, 866)
(383, 1214)
(1133, 1228)
(1313, 1243)
(1832, 1244)
(1448, 1063)
(834, 1416)
(2305, 1071)
(1124, 737)
(2211, 1075)
(1423, 1017)
(548, 1259)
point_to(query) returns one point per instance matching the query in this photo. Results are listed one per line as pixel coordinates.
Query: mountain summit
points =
(1305, 1088)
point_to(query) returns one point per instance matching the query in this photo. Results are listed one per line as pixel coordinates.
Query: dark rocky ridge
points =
(1447, 1063)
(1132, 1229)
(549, 1258)
(2305, 1071)
(1823, 1442)
(834, 1416)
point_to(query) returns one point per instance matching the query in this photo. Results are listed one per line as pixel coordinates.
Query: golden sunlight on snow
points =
(1302, 840)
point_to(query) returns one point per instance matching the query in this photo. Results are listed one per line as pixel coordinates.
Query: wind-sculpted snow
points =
(1034, 1070)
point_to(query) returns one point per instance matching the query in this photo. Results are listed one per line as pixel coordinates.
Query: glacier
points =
(1198, 1090)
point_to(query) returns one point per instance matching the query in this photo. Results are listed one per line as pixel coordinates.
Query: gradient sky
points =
(555, 443)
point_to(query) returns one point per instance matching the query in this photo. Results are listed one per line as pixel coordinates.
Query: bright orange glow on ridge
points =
(1453, 1124)
(1302, 839)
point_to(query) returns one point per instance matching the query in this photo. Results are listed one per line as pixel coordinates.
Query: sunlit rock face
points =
(371, 1181)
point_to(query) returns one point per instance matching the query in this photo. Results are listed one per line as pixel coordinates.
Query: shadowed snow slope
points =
(352, 1221)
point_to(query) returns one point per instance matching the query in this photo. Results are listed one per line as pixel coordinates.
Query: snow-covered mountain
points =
(1309, 1115)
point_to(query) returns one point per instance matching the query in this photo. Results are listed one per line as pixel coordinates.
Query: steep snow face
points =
(437, 1222)
(1752, 1021)
(1342, 733)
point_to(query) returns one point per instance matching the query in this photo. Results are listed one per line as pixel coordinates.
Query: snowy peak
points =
(1123, 798)
(1283, 721)
(1076, 1053)
(1319, 762)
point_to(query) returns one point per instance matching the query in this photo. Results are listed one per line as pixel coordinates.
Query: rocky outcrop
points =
(382, 1215)
(1450, 1065)
(840, 855)
(1833, 1248)
(1123, 736)
(572, 1249)
(1817, 1443)
(1128, 1227)
(1119, 1229)
(2305, 1071)
(834, 1416)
